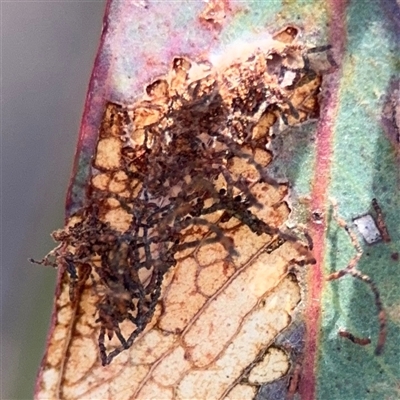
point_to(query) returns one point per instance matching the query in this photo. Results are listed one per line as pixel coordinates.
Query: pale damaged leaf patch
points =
(177, 271)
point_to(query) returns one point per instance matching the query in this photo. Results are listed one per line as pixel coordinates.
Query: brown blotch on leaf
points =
(180, 215)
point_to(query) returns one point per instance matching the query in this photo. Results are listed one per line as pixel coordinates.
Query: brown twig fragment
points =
(381, 221)
(354, 339)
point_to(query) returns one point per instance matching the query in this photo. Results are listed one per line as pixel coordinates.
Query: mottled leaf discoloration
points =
(177, 270)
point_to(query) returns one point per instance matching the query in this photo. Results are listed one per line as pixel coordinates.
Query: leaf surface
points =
(215, 329)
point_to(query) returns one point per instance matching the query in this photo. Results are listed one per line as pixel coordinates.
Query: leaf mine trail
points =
(177, 269)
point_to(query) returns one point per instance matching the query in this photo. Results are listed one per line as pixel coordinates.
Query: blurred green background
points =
(48, 50)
